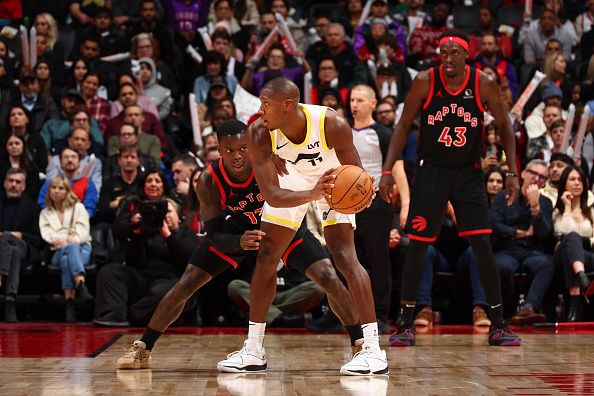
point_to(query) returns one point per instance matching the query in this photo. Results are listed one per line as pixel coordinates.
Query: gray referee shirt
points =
(372, 144)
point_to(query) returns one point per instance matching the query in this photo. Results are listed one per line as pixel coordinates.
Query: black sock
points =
(355, 332)
(407, 313)
(496, 315)
(11, 297)
(149, 337)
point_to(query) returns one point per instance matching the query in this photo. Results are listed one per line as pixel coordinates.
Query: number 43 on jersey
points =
(446, 138)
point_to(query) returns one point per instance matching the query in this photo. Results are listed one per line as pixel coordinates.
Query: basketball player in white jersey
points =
(313, 141)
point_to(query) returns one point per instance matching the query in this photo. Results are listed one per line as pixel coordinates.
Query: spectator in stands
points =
(149, 23)
(295, 296)
(223, 16)
(40, 107)
(584, 22)
(144, 45)
(90, 165)
(149, 121)
(217, 91)
(555, 70)
(82, 12)
(45, 54)
(564, 25)
(74, 115)
(538, 35)
(488, 26)
(182, 167)
(573, 225)
(18, 122)
(131, 133)
(90, 51)
(64, 226)
(44, 73)
(154, 257)
(494, 182)
(46, 25)
(547, 111)
(20, 243)
(282, 7)
(111, 38)
(490, 56)
(353, 12)
(549, 143)
(351, 71)
(97, 107)
(424, 41)
(214, 65)
(412, 16)
(519, 230)
(82, 187)
(327, 77)
(122, 181)
(15, 154)
(76, 73)
(506, 93)
(160, 95)
(557, 164)
(276, 66)
(228, 105)
(128, 95)
(223, 43)
(386, 114)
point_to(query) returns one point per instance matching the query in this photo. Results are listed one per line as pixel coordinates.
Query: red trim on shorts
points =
(477, 90)
(480, 231)
(224, 257)
(462, 87)
(219, 185)
(421, 239)
(229, 182)
(290, 249)
(431, 88)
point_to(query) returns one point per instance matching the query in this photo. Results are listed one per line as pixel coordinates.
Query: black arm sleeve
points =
(225, 242)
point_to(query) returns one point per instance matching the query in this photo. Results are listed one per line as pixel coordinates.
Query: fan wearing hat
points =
(41, 108)
(111, 38)
(537, 123)
(218, 91)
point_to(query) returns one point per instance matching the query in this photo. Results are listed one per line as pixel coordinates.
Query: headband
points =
(454, 40)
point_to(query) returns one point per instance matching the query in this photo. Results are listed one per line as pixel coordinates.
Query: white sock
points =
(370, 335)
(256, 333)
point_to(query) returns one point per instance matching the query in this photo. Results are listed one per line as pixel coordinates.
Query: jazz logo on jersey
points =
(311, 158)
(455, 110)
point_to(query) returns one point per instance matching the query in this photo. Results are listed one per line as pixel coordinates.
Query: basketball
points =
(353, 189)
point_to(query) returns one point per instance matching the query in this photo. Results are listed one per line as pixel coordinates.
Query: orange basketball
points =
(353, 189)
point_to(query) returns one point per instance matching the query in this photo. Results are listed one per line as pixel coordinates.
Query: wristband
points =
(511, 174)
(385, 172)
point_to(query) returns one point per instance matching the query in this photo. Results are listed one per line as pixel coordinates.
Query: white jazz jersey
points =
(306, 162)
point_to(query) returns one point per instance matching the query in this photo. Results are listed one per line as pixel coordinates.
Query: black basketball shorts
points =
(303, 251)
(433, 187)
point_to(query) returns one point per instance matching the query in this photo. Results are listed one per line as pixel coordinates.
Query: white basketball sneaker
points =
(251, 358)
(367, 362)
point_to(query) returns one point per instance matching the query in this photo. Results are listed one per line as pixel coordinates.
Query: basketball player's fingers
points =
(255, 234)
(251, 245)
(329, 172)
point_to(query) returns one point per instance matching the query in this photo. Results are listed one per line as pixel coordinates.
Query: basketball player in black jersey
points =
(230, 205)
(451, 98)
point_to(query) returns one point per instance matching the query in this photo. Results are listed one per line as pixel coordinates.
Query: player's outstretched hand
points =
(250, 240)
(280, 165)
(324, 184)
(512, 188)
(386, 185)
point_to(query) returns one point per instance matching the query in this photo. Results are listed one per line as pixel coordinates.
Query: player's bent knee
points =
(323, 274)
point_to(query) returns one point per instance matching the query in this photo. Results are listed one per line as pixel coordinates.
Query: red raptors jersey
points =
(242, 202)
(452, 122)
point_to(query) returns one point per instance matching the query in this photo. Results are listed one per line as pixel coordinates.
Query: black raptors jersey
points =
(242, 202)
(452, 122)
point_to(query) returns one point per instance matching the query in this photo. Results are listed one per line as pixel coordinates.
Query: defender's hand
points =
(250, 240)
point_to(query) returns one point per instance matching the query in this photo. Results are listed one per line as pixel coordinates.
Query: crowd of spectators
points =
(103, 143)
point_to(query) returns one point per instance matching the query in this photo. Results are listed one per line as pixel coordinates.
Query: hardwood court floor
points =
(446, 361)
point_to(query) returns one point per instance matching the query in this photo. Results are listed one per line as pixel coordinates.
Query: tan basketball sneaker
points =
(424, 317)
(479, 317)
(137, 357)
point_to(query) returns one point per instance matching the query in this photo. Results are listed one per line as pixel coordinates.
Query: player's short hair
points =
(282, 87)
(231, 128)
